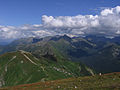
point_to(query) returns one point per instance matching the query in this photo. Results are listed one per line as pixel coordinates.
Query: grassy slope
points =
(16, 68)
(109, 81)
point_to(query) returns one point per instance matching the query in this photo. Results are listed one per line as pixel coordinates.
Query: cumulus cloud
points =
(106, 23)
(9, 33)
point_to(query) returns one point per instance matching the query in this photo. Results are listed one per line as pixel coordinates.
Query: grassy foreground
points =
(109, 81)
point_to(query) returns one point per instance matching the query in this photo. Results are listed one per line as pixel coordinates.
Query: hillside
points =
(105, 60)
(22, 67)
(109, 81)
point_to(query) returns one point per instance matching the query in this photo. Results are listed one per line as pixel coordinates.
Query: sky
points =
(19, 12)
(40, 18)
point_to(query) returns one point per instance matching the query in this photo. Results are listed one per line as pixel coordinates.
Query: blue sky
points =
(19, 12)
(41, 18)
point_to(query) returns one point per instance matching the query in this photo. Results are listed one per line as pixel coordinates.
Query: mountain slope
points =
(105, 60)
(81, 49)
(22, 67)
(104, 82)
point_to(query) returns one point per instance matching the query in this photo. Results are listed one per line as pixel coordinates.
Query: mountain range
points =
(36, 59)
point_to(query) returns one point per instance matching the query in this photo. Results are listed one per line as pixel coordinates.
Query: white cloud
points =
(118, 32)
(117, 10)
(107, 12)
(107, 23)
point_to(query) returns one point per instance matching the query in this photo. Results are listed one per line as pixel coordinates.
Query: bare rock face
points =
(116, 52)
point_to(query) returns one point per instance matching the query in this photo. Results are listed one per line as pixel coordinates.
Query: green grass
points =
(109, 81)
(21, 70)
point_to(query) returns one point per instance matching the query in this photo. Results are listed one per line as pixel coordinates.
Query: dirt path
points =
(29, 59)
